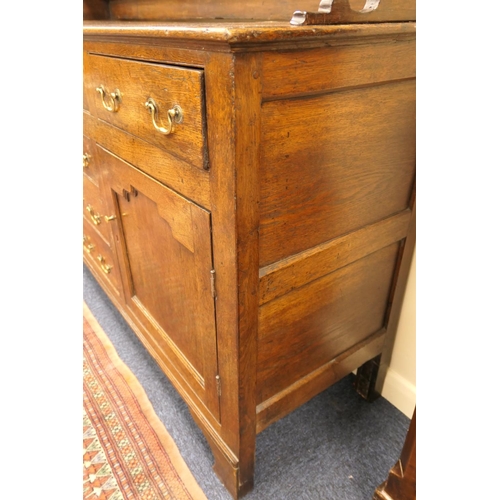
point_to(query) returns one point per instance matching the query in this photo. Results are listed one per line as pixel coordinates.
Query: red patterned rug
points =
(127, 452)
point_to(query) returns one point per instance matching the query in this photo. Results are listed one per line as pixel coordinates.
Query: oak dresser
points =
(249, 197)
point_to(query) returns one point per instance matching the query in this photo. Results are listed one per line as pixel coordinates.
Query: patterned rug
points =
(127, 452)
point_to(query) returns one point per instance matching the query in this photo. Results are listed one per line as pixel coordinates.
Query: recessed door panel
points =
(167, 256)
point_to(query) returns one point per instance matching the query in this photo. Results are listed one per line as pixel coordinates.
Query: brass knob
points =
(114, 96)
(89, 247)
(105, 267)
(86, 160)
(174, 116)
(109, 218)
(96, 218)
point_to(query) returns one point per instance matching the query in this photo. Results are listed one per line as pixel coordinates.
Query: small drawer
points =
(90, 165)
(98, 252)
(163, 105)
(95, 211)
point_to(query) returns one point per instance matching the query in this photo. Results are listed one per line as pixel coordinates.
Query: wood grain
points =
(296, 271)
(147, 49)
(248, 126)
(192, 182)
(233, 110)
(321, 70)
(318, 380)
(243, 35)
(332, 164)
(85, 84)
(304, 218)
(229, 9)
(95, 9)
(308, 327)
(346, 12)
(168, 86)
(154, 10)
(169, 271)
(220, 116)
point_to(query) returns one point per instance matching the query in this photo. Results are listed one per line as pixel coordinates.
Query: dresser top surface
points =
(242, 32)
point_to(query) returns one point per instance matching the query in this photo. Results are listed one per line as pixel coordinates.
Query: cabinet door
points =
(166, 260)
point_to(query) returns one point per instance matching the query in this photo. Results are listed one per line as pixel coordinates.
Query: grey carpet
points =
(335, 447)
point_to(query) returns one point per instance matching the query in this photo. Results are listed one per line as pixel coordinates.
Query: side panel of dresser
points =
(337, 176)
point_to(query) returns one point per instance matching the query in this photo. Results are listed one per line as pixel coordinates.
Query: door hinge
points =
(212, 282)
(219, 390)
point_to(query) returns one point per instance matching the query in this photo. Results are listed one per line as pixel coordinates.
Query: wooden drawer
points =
(98, 254)
(85, 90)
(95, 210)
(127, 85)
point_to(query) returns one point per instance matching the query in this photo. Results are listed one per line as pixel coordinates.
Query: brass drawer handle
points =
(89, 246)
(105, 267)
(96, 218)
(86, 160)
(174, 116)
(115, 99)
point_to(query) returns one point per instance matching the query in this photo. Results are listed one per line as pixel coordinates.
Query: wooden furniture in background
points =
(401, 483)
(249, 201)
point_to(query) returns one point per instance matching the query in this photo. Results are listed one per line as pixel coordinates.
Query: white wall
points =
(400, 383)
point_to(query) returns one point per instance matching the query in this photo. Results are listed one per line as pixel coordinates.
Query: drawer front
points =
(173, 119)
(90, 166)
(98, 255)
(95, 211)
(85, 90)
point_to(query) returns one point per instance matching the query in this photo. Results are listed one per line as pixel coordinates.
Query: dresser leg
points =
(235, 473)
(366, 379)
(230, 476)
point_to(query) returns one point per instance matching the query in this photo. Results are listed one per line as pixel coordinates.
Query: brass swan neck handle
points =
(174, 116)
